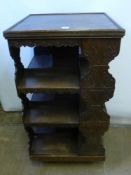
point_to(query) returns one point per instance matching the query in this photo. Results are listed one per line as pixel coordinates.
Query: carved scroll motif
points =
(97, 77)
(100, 51)
(15, 54)
(19, 70)
(97, 84)
(97, 87)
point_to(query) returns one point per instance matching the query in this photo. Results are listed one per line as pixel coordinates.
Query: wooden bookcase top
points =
(67, 25)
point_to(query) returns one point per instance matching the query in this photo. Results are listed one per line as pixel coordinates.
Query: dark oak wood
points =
(69, 78)
(97, 53)
(52, 81)
(69, 25)
(40, 62)
(60, 145)
(52, 110)
(54, 57)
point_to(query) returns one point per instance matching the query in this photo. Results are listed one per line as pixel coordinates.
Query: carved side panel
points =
(97, 87)
(96, 96)
(100, 51)
(97, 77)
(19, 68)
(95, 114)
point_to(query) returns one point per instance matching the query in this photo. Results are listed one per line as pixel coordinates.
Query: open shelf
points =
(39, 62)
(54, 57)
(51, 70)
(52, 110)
(59, 145)
(57, 141)
(52, 81)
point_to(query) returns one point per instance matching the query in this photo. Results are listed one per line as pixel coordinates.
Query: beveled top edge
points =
(119, 32)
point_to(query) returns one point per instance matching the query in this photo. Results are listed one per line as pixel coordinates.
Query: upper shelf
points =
(53, 57)
(55, 71)
(70, 25)
(52, 81)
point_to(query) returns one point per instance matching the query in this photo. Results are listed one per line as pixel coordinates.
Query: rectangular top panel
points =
(65, 25)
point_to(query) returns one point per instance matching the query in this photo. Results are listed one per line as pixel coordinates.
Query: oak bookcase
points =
(69, 81)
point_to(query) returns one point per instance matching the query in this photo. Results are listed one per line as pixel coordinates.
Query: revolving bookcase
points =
(68, 80)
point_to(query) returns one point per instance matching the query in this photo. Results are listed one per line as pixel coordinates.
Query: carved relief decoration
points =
(95, 129)
(100, 51)
(45, 43)
(97, 77)
(93, 114)
(97, 86)
(96, 96)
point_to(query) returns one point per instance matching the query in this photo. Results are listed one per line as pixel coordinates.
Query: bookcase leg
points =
(30, 133)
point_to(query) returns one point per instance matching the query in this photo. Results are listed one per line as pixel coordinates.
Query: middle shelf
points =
(52, 80)
(52, 110)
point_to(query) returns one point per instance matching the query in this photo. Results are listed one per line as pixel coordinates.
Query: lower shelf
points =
(68, 158)
(60, 146)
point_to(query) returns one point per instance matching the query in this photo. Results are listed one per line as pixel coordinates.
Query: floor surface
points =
(14, 158)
